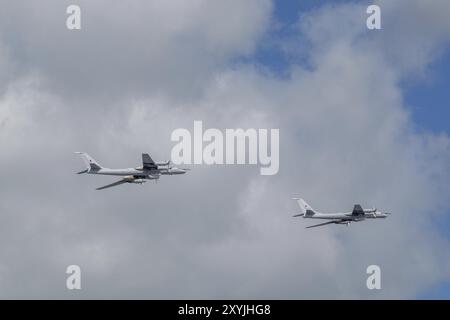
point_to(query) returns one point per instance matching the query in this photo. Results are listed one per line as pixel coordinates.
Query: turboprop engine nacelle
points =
(140, 181)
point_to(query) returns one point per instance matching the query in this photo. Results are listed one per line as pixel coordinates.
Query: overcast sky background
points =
(363, 118)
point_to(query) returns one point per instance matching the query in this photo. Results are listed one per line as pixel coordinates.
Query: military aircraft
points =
(149, 170)
(358, 214)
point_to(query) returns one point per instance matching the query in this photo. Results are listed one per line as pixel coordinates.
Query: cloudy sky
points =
(363, 118)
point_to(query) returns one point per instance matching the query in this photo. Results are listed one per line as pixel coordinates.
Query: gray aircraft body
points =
(149, 170)
(345, 218)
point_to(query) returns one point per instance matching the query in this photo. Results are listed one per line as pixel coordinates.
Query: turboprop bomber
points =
(345, 218)
(149, 170)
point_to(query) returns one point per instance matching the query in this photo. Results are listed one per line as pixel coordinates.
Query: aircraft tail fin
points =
(91, 164)
(306, 209)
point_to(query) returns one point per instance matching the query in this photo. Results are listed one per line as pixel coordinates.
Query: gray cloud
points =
(218, 232)
(135, 49)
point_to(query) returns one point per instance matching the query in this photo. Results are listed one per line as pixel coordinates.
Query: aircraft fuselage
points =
(348, 216)
(137, 172)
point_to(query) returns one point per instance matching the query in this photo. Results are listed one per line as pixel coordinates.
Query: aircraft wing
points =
(322, 224)
(148, 163)
(357, 210)
(113, 184)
